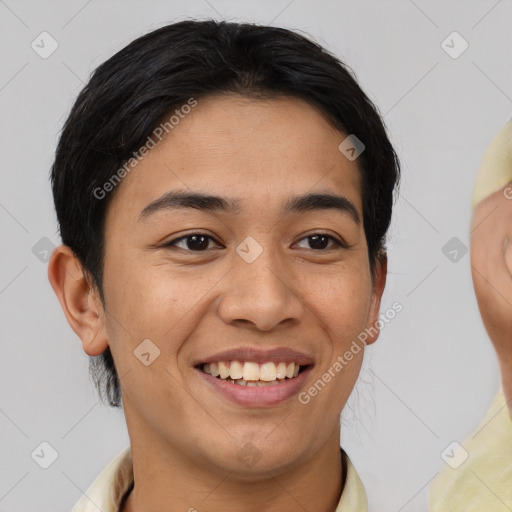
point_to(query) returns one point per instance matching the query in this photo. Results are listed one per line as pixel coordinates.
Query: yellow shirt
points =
(483, 482)
(107, 491)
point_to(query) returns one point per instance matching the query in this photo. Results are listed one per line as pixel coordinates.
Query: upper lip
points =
(258, 356)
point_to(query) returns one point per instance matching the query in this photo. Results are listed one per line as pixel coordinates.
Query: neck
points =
(167, 481)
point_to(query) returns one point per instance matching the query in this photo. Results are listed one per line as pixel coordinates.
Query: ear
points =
(379, 283)
(79, 300)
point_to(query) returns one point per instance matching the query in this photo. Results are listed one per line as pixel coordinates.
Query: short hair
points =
(127, 97)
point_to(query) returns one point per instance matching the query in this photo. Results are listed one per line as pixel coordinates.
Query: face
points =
(491, 268)
(251, 283)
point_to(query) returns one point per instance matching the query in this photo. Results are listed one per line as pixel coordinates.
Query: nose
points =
(260, 295)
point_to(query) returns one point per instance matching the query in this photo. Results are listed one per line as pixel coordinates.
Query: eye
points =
(319, 241)
(196, 242)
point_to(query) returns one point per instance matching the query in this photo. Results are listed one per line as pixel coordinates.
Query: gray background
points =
(430, 377)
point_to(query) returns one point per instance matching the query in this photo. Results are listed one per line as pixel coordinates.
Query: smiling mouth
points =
(252, 374)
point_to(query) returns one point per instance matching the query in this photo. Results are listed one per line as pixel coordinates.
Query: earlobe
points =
(379, 283)
(79, 301)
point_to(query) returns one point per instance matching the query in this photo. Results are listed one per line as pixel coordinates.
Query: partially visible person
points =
(484, 481)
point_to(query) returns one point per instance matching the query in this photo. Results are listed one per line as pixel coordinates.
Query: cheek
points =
(139, 293)
(148, 302)
(480, 259)
(342, 307)
(151, 313)
(342, 303)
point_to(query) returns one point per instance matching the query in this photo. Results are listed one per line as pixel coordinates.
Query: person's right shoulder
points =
(480, 477)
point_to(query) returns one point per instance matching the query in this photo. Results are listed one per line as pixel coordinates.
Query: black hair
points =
(127, 97)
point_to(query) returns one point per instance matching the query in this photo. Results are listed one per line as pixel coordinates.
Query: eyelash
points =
(337, 243)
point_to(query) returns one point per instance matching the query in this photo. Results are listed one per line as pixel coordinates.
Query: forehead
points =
(257, 151)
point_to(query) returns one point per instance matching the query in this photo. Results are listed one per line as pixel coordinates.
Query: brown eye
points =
(195, 242)
(320, 241)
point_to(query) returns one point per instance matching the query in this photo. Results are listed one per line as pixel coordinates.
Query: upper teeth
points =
(252, 371)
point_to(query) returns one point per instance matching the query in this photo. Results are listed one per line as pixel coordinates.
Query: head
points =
(207, 203)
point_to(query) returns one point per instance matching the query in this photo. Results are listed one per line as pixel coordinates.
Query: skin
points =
(185, 437)
(491, 266)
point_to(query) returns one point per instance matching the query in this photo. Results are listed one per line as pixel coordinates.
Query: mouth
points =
(252, 373)
(253, 377)
(249, 383)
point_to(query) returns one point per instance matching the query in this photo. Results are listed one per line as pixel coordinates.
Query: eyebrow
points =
(209, 203)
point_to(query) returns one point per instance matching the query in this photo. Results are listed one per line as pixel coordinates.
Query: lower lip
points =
(255, 396)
